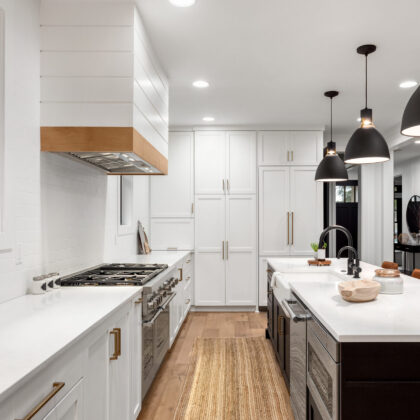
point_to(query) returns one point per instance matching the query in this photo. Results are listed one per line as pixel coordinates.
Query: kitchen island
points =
(370, 371)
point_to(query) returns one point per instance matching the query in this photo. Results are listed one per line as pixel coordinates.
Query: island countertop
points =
(389, 318)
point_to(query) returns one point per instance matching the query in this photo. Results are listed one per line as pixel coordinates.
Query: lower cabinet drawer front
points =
(67, 370)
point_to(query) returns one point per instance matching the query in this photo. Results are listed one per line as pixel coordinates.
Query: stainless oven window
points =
(321, 378)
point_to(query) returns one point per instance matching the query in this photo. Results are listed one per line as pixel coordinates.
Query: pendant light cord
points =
(366, 80)
(331, 125)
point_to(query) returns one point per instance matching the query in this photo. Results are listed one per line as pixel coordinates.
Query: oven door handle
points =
(168, 301)
(152, 321)
(294, 317)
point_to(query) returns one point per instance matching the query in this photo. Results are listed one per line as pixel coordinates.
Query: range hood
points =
(115, 150)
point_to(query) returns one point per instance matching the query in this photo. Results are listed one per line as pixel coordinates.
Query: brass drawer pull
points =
(280, 328)
(227, 250)
(288, 234)
(293, 240)
(116, 332)
(187, 301)
(140, 300)
(180, 274)
(57, 386)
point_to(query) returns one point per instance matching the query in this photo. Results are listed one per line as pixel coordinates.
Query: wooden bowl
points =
(359, 290)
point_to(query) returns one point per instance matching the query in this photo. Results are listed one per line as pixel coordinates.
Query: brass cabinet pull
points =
(114, 332)
(223, 185)
(119, 340)
(228, 185)
(187, 301)
(288, 234)
(292, 156)
(140, 300)
(223, 250)
(227, 250)
(57, 386)
(181, 277)
(280, 328)
(293, 240)
(192, 208)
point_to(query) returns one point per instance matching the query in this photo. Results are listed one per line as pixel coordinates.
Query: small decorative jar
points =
(390, 280)
(321, 254)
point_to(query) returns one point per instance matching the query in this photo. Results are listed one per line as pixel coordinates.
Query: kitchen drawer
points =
(172, 234)
(67, 369)
(188, 266)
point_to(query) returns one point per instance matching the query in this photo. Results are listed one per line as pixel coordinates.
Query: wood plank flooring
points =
(162, 399)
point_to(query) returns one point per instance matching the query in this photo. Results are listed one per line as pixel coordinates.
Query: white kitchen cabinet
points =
(119, 367)
(225, 257)
(290, 210)
(188, 291)
(305, 147)
(136, 334)
(210, 162)
(240, 255)
(82, 383)
(262, 281)
(225, 162)
(273, 147)
(173, 195)
(209, 263)
(96, 382)
(70, 407)
(274, 210)
(241, 170)
(172, 234)
(210, 223)
(209, 278)
(306, 209)
(289, 147)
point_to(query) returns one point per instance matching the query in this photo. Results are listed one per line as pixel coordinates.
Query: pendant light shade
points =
(331, 168)
(410, 125)
(367, 144)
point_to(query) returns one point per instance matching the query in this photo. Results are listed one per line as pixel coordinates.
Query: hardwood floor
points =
(162, 399)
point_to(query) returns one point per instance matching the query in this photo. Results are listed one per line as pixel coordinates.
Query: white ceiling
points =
(269, 61)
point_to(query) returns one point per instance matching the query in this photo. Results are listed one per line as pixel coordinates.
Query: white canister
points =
(390, 280)
(54, 280)
(321, 254)
(38, 285)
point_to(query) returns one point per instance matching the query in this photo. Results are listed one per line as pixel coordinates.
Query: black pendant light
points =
(410, 125)
(331, 168)
(367, 144)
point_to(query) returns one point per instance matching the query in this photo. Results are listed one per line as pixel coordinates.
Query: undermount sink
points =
(282, 288)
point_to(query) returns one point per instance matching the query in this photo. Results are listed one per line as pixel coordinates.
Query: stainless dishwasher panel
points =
(323, 370)
(298, 317)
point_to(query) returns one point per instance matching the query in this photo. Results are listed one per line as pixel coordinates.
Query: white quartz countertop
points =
(155, 257)
(389, 318)
(36, 328)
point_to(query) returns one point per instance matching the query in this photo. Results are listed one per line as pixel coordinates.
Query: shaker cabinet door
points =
(273, 148)
(242, 162)
(172, 195)
(210, 162)
(274, 211)
(241, 252)
(305, 147)
(306, 209)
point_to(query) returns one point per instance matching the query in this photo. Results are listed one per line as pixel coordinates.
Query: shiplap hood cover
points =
(104, 96)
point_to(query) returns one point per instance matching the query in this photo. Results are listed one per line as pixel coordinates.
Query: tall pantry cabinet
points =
(290, 201)
(225, 218)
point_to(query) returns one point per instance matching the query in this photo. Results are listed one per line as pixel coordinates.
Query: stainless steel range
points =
(157, 294)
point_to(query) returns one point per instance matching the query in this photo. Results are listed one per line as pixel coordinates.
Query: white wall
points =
(376, 212)
(63, 213)
(22, 197)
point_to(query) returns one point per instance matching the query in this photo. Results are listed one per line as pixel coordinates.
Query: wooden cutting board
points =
(319, 263)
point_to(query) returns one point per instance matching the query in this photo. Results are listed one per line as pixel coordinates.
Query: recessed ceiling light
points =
(408, 84)
(182, 3)
(201, 84)
(417, 141)
(208, 119)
